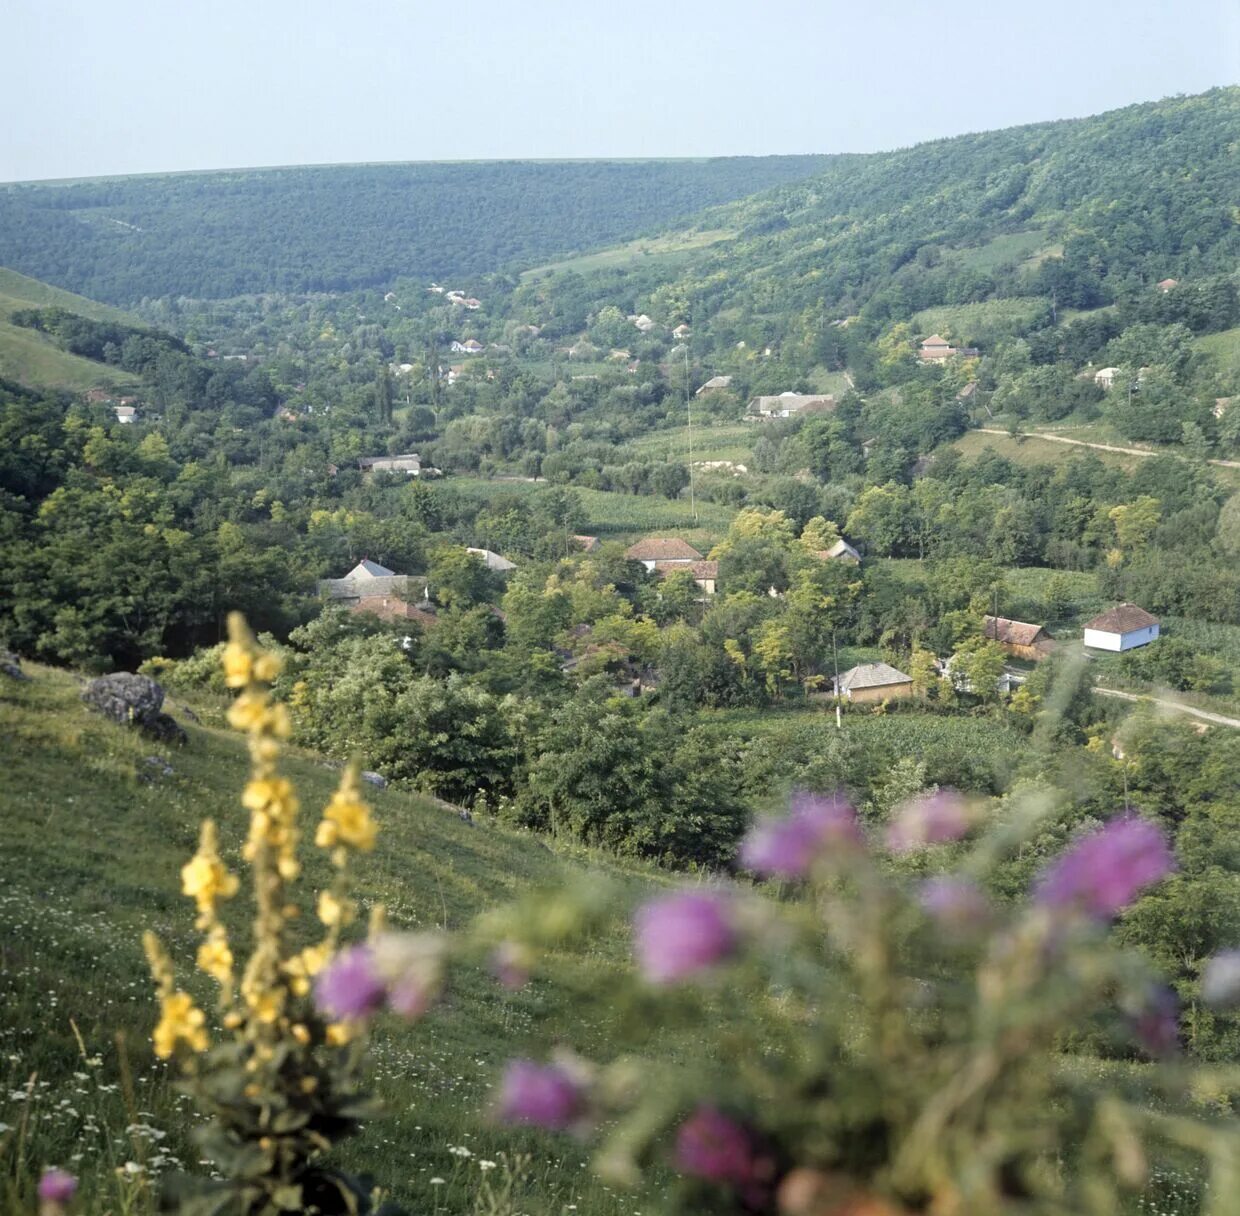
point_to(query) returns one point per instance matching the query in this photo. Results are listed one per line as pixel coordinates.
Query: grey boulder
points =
(134, 700)
(11, 666)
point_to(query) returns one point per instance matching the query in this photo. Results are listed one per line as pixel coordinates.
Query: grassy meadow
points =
(664, 248)
(32, 358)
(94, 840)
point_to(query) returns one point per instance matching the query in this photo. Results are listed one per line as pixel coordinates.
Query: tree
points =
(1135, 522)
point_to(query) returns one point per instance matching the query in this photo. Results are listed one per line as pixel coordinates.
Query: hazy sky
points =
(127, 86)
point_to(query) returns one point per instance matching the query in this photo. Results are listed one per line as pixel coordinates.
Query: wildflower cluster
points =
(907, 1056)
(281, 1084)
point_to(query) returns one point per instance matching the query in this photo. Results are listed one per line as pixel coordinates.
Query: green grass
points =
(664, 248)
(1029, 450)
(1223, 347)
(964, 321)
(32, 358)
(93, 856)
(1004, 250)
(613, 516)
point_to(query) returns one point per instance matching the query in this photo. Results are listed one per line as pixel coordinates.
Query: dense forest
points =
(336, 228)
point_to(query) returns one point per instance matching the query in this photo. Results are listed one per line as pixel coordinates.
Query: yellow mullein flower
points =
(266, 1006)
(266, 667)
(179, 1021)
(334, 911)
(248, 711)
(347, 819)
(204, 877)
(340, 1033)
(216, 959)
(237, 665)
(273, 796)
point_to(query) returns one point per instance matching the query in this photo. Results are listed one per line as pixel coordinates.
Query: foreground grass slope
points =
(94, 840)
(34, 359)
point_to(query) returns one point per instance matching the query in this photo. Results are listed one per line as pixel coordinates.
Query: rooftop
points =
(662, 549)
(872, 675)
(1122, 619)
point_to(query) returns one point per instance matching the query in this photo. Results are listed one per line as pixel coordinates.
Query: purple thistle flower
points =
(787, 847)
(930, 819)
(544, 1095)
(348, 987)
(57, 1187)
(1157, 1025)
(678, 935)
(508, 965)
(954, 903)
(1106, 871)
(1220, 981)
(409, 999)
(712, 1146)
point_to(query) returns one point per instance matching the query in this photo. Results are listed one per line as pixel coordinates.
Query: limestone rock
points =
(375, 779)
(11, 666)
(134, 700)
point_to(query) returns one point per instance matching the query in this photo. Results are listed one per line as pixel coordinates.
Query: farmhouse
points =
(714, 384)
(587, 544)
(368, 580)
(873, 682)
(125, 413)
(410, 464)
(840, 551)
(668, 550)
(1166, 285)
(681, 332)
(1104, 377)
(493, 561)
(1123, 628)
(791, 405)
(471, 346)
(935, 349)
(392, 608)
(705, 573)
(1019, 638)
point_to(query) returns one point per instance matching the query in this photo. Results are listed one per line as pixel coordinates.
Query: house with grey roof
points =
(873, 682)
(493, 561)
(368, 580)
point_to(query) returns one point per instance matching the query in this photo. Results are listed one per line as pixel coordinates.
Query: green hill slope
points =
(94, 841)
(337, 227)
(989, 231)
(32, 358)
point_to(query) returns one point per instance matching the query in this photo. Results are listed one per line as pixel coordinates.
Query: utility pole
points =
(689, 413)
(835, 655)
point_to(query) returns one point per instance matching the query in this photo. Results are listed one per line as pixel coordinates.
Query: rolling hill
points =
(341, 227)
(32, 358)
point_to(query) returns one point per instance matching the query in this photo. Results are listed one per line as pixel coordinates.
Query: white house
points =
(125, 413)
(1122, 628)
(493, 561)
(1104, 377)
(410, 463)
(665, 550)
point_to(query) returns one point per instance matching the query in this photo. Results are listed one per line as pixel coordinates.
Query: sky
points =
(134, 86)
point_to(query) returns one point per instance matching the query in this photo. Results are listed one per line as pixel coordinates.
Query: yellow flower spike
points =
(301, 1034)
(340, 1033)
(237, 665)
(248, 711)
(289, 867)
(334, 911)
(347, 820)
(204, 878)
(266, 667)
(159, 962)
(216, 959)
(180, 1021)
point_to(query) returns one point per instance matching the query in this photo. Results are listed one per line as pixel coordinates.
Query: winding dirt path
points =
(1205, 714)
(1101, 447)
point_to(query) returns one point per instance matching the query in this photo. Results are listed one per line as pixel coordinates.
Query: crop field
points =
(719, 441)
(94, 843)
(965, 321)
(614, 516)
(661, 247)
(1004, 250)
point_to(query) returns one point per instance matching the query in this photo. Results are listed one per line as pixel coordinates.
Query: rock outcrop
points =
(11, 666)
(137, 701)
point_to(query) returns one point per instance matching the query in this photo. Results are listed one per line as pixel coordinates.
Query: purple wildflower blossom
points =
(1104, 873)
(930, 819)
(678, 935)
(57, 1187)
(349, 987)
(409, 999)
(1220, 981)
(508, 965)
(1157, 1025)
(544, 1095)
(787, 847)
(714, 1147)
(954, 903)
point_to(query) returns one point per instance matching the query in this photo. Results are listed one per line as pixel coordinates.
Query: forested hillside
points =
(341, 227)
